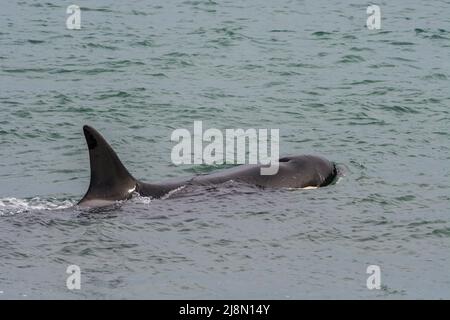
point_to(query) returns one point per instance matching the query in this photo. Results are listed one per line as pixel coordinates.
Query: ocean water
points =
(375, 101)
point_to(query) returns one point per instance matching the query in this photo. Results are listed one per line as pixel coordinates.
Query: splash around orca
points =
(111, 182)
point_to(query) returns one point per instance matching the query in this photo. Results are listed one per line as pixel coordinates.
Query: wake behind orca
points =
(111, 181)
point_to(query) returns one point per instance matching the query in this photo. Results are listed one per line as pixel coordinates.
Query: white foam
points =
(304, 188)
(141, 199)
(339, 180)
(172, 192)
(15, 205)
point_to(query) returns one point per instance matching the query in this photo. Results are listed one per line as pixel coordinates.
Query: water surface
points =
(374, 101)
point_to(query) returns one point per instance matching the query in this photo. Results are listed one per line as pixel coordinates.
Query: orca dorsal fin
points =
(110, 180)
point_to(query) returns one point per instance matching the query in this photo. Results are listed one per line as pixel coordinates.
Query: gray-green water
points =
(374, 101)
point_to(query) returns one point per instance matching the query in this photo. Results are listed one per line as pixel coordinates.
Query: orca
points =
(111, 182)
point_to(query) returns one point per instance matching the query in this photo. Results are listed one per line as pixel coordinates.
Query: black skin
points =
(111, 181)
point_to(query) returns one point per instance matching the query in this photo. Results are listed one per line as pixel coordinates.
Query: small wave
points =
(99, 46)
(123, 63)
(145, 43)
(435, 76)
(401, 43)
(97, 9)
(321, 34)
(281, 30)
(439, 34)
(444, 232)
(113, 94)
(34, 41)
(11, 206)
(351, 58)
(399, 109)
